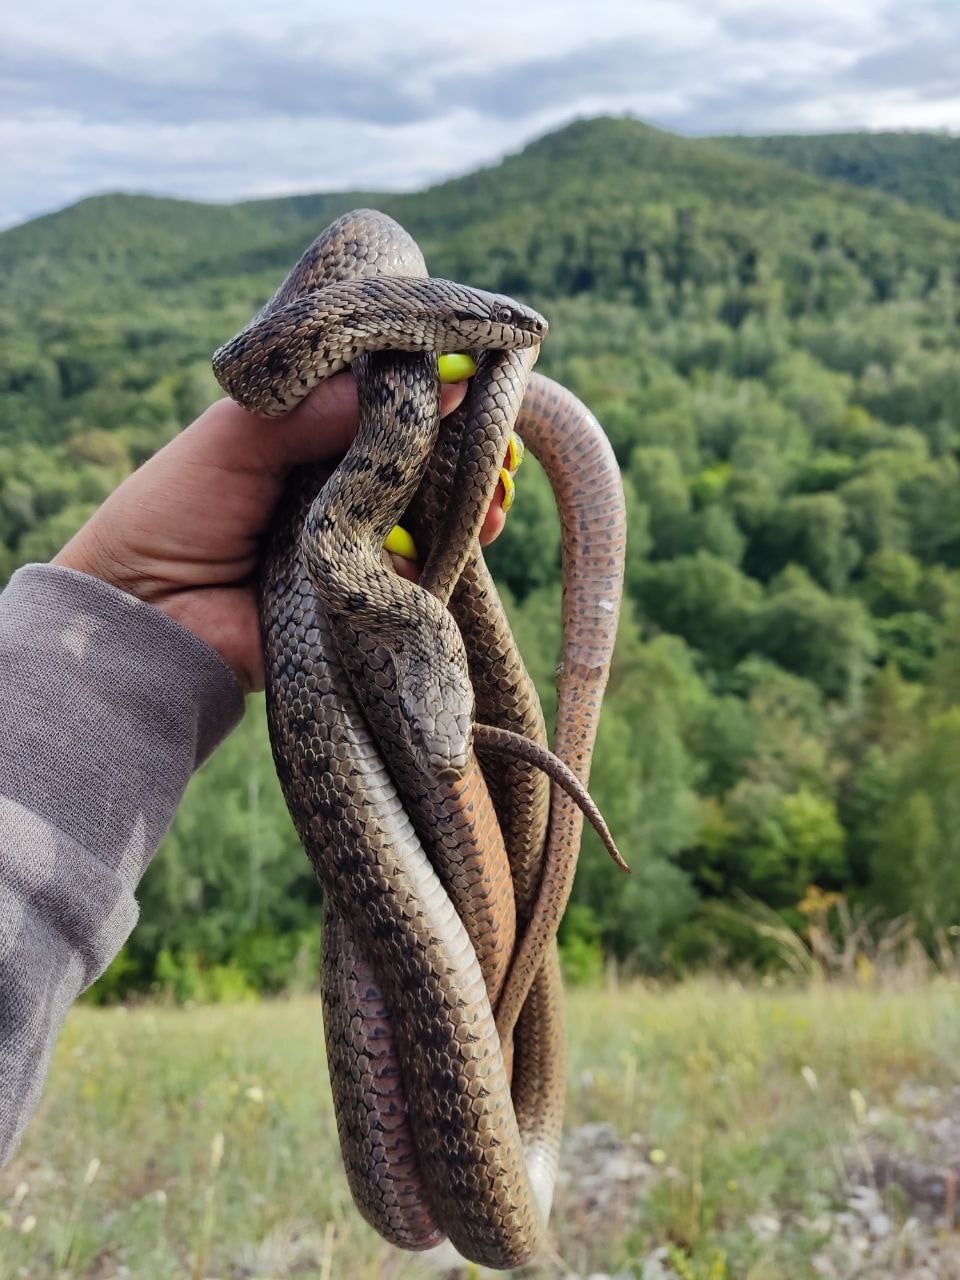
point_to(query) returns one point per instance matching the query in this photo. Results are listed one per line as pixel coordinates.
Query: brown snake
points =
(409, 738)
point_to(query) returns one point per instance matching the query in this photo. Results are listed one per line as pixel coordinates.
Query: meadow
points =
(713, 1131)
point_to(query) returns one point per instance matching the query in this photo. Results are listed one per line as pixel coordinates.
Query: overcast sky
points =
(220, 99)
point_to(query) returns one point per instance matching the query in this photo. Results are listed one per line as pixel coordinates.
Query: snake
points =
(409, 739)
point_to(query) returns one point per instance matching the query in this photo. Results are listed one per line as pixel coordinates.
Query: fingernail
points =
(455, 367)
(515, 452)
(509, 490)
(400, 543)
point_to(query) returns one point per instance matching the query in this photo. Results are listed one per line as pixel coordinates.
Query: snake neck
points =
(342, 545)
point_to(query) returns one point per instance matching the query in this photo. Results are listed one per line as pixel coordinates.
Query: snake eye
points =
(504, 315)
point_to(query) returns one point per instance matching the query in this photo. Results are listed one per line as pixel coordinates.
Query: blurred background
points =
(742, 223)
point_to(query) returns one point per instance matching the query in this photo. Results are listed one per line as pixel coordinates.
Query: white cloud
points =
(218, 99)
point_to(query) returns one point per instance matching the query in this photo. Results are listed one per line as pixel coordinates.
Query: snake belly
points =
(406, 858)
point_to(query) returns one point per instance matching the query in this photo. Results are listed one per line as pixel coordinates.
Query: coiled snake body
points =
(445, 862)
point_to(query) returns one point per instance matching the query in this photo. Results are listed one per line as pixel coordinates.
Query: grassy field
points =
(745, 1125)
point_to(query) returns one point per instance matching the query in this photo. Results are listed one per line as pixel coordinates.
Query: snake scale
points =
(409, 739)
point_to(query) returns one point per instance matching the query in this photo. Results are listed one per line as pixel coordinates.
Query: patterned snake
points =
(409, 738)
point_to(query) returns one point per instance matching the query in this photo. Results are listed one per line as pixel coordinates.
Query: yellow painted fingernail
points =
(509, 490)
(515, 452)
(456, 366)
(400, 543)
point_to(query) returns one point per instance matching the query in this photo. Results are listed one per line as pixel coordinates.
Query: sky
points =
(222, 99)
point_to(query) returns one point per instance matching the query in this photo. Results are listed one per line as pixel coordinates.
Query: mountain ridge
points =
(916, 166)
(615, 143)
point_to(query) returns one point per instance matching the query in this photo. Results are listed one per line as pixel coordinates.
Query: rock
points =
(879, 1225)
(656, 1266)
(764, 1226)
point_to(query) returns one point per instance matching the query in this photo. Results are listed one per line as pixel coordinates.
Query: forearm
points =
(106, 708)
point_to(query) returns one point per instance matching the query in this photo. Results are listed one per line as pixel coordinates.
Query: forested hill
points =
(921, 168)
(775, 359)
(581, 210)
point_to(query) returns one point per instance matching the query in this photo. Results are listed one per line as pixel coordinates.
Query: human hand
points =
(183, 532)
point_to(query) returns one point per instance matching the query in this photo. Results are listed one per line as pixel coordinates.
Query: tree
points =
(659, 484)
(915, 864)
(770, 845)
(811, 530)
(891, 581)
(825, 639)
(702, 598)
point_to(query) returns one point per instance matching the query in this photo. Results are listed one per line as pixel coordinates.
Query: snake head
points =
(489, 321)
(436, 714)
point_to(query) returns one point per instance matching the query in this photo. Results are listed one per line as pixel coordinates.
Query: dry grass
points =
(201, 1142)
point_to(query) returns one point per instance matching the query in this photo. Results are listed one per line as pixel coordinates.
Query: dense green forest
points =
(774, 356)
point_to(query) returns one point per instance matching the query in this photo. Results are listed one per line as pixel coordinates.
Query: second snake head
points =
(436, 713)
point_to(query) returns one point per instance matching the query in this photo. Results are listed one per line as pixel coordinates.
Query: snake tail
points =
(489, 737)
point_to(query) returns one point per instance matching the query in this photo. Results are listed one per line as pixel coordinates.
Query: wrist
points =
(84, 554)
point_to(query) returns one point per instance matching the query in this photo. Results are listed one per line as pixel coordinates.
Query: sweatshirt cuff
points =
(112, 706)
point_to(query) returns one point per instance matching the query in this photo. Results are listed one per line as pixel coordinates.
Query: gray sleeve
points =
(106, 708)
